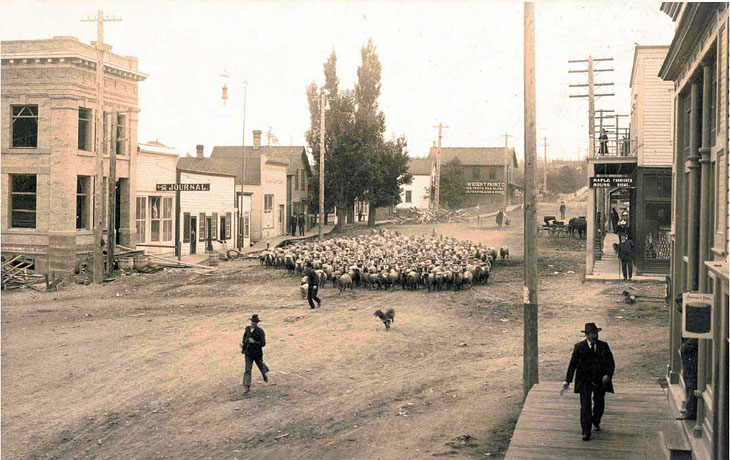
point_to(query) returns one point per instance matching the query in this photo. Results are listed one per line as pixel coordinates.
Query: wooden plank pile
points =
(17, 273)
(431, 216)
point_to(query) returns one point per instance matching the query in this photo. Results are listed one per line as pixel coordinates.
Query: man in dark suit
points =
(592, 364)
(254, 339)
(301, 224)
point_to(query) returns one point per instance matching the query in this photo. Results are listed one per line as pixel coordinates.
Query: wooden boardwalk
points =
(549, 425)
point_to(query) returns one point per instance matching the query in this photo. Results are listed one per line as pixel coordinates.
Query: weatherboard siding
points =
(653, 117)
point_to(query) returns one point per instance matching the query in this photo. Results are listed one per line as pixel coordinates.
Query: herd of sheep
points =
(385, 260)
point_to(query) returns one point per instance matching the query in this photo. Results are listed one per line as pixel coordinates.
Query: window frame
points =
(86, 123)
(229, 225)
(268, 202)
(140, 217)
(409, 196)
(186, 227)
(121, 138)
(14, 118)
(167, 213)
(155, 199)
(83, 201)
(13, 193)
(201, 226)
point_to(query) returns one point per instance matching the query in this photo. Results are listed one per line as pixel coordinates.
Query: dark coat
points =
(253, 350)
(590, 367)
(312, 278)
(626, 250)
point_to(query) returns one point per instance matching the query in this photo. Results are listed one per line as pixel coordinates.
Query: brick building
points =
(48, 159)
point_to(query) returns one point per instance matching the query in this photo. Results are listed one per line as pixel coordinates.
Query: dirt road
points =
(148, 367)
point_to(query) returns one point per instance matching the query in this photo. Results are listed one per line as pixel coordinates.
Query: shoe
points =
(597, 428)
(246, 390)
(266, 378)
(586, 436)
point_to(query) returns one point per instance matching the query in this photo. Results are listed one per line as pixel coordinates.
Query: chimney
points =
(256, 139)
(199, 150)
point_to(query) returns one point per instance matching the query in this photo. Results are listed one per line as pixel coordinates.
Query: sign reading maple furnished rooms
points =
(611, 181)
(485, 187)
(183, 187)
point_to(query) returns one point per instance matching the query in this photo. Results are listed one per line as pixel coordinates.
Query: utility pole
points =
(98, 271)
(591, 85)
(530, 347)
(545, 165)
(322, 104)
(241, 212)
(111, 219)
(437, 181)
(507, 161)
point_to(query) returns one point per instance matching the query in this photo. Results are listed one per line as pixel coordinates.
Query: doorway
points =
(208, 234)
(282, 220)
(193, 234)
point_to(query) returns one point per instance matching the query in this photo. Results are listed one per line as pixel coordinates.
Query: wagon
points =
(553, 227)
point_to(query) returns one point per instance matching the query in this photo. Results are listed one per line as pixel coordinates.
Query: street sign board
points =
(611, 182)
(697, 310)
(183, 187)
(485, 187)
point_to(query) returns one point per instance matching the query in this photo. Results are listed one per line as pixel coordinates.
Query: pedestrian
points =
(500, 218)
(252, 344)
(614, 220)
(603, 140)
(592, 364)
(562, 210)
(626, 251)
(313, 286)
(301, 224)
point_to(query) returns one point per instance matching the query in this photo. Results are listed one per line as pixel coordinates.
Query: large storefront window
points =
(167, 219)
(141, 218)
(155, 218)
(658, 223)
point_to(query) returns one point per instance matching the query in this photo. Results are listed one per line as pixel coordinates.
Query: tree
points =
(452, 188)
(565, 180)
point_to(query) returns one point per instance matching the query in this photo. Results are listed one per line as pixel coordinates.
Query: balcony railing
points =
(615, 147)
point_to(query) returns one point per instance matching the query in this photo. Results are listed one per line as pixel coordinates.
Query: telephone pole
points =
(530, 347)
(507, 161)
(437, 181)
(591, 85)
(322, 104)
(98, 271)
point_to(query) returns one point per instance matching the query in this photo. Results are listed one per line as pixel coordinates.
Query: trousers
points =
(590, 414)
(312, 295)
(249, 365)
(627, 267)
(688, 353)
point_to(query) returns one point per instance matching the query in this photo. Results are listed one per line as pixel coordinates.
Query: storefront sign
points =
(697, 309)
(485, 187)
(611, 182)
(183, 187)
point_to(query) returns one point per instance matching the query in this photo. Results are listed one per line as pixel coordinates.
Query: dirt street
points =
(149, 366)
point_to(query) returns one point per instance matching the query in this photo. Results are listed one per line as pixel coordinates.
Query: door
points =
(208, 235)
(282, 220)
(193, 234)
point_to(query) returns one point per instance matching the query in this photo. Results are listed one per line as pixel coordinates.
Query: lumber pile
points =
(431, 216)
(17, 273)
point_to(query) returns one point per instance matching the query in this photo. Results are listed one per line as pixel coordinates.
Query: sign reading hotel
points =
(485, 187)
(183, 187)
(611, 182)
(697, 315)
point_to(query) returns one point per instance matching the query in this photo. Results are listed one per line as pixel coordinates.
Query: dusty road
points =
(148, 367)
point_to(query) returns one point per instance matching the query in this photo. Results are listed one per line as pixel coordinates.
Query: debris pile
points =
(433, 216)
(17, 272)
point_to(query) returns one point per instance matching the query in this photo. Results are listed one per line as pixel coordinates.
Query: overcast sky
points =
(459, 63)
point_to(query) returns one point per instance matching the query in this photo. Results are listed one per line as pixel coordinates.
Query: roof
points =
(297, 160)
(157, 148)
(420, 166)
(639, 49)
(474, 156)
(224, 165)
(691, 21)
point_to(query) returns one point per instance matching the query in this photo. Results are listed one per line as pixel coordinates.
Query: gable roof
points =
(420, 166)
(474, 156)
(224, 165)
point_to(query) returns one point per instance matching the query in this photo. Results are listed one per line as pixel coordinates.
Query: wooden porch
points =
(632, 425)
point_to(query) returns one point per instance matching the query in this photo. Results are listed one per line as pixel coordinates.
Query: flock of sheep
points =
(385, 260)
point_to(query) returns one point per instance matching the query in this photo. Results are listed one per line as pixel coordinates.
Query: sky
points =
(459, 63)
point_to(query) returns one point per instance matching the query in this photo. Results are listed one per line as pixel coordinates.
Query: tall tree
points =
(452, 189)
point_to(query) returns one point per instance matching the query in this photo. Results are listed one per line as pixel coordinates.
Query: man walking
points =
(313, 286)
(562, 210)
(626, 251)
(293, 224)
(592, 364)
(301, 224)
(254, 340)
(500, 217)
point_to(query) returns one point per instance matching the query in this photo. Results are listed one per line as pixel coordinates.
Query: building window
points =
(121, 134)
(155, 218)
(408, 196)
(201, 229)
(84, 129)
(214, 227)
(229, 224)
(186, 227)
(268, 202)
(83, 187)
(492, 174)
(23, 200)
(167, 219)
(25, 126)
(141, 219)
(475, 172)
(246, 225)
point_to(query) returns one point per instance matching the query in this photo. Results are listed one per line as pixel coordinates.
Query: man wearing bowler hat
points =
(593, 366)
(252, 343)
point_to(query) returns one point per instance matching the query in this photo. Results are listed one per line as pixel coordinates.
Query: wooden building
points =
(417, 194)
(155, 212)
(48, 154)
(697, 65)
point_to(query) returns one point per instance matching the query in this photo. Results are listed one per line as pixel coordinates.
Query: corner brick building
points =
(48, 159)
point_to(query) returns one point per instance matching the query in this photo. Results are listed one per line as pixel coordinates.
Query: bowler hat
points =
(590, 327)
(255, 319)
